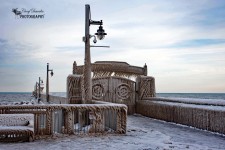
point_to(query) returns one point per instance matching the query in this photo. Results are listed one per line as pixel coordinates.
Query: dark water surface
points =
(26, 96)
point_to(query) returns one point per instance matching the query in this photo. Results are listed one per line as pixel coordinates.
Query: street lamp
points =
(87, 61)
(47, 82)
(36, 88)
(39, 89)
(100, 33)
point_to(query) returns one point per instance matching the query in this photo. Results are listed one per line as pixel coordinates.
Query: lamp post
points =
(36, 87)
(87, 61)
(47, 82)
(39, 89)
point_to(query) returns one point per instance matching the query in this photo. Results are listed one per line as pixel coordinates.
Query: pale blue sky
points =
(182, 42)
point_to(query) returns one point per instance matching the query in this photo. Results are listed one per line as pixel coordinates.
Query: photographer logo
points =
(28, 13)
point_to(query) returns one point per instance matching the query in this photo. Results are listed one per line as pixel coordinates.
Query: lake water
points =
(23, 96)
(193, 95)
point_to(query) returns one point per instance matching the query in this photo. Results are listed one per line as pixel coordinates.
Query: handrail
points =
(73, 118)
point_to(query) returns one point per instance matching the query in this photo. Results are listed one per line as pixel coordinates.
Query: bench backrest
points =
(16, 119)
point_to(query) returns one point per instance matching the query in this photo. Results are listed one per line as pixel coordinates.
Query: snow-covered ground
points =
(143, 133)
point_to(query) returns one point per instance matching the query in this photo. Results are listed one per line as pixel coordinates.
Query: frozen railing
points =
(73, 118)
(203, 115)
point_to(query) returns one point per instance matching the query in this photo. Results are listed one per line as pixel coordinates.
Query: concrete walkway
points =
(143, 133)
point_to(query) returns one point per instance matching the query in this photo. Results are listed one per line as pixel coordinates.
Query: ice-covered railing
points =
(73, 118)
(201, 114)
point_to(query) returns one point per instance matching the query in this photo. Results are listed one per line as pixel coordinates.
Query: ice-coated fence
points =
(207, 117)
(73, 118)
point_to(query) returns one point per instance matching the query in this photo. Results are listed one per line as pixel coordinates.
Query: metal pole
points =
(36, 90)
(39, 89)
(47, 84)
(87, 60)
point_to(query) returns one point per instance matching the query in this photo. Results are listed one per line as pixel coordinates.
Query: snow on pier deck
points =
(142, 133)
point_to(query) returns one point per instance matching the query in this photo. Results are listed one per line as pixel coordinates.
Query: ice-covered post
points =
(39, 89)
(36, 84)
(87, 61)
(47, 82)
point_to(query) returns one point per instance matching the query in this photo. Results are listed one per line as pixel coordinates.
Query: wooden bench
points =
(16, 127)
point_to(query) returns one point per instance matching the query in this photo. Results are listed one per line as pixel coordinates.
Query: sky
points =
(182, 42)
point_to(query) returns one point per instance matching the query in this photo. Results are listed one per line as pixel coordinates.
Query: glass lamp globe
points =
(100, 33)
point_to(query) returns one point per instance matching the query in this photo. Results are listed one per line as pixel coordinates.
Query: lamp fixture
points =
(100, 33)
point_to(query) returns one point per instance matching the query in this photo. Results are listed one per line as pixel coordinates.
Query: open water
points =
(26, 96)
(193, 95)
